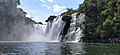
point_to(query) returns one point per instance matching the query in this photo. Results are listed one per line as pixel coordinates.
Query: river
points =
(58, 48)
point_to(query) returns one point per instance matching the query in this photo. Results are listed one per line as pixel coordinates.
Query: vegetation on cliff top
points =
(51, 18)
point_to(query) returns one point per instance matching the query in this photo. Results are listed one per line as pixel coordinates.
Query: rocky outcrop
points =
(67, 19)
(51, 18)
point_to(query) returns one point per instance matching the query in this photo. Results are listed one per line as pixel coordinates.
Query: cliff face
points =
(13, 21)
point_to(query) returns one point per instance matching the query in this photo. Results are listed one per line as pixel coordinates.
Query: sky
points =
(40, 10)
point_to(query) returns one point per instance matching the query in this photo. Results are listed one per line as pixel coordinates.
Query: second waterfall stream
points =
(54, 29)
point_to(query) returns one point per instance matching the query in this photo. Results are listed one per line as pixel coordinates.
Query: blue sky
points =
(42, 9)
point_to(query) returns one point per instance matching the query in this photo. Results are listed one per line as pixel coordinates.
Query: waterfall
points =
(75, 31)
(37, 33)
(53, 29)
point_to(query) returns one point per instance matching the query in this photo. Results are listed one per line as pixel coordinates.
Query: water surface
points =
(57, 48)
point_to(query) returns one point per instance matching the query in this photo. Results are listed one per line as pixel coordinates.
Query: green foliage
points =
(68, 12)
(67, 18)
(107, 22)
(102, 19)
(40, 23)
(52, 17)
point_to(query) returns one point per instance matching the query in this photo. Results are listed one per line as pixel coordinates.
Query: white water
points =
(75, 33)
(54, 29)
(51, 32)
(38, 33)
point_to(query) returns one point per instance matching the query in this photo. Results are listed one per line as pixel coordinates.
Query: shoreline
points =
(110, 40)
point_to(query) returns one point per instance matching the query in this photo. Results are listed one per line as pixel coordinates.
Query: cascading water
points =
(52, 31)
(37, 33)
(75, 31)
(54, 28)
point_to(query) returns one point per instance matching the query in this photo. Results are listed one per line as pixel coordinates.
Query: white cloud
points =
(42, 1)
(55, 8)
(50, 0)
(58, 8)
(48, 7)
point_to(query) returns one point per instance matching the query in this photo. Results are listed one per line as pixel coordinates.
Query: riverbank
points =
(101, 40)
